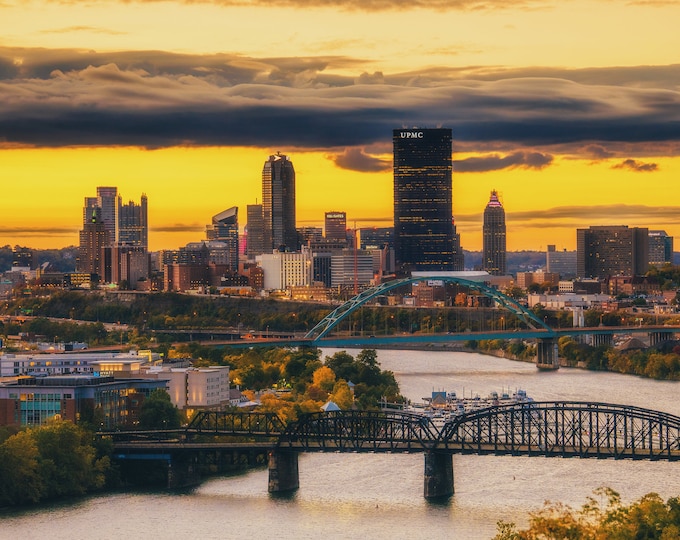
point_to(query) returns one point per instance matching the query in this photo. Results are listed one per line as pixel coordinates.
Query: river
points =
(380, 496)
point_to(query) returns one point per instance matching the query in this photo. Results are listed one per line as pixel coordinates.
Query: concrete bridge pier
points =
(658, 336)
(438, 479)
(546, 353)
(602, 339)
(183, 472)
(283, 471)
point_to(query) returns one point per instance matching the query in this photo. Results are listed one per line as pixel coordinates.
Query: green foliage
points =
(55, 460)
(158, 412)
(371, 383)
(648, 518)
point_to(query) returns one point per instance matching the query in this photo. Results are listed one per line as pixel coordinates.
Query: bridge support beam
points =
(438, 480)
(658, 336)
(283, 471)
(546, 353)
(602, 339)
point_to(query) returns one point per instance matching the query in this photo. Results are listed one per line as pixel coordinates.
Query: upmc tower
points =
(423, 227)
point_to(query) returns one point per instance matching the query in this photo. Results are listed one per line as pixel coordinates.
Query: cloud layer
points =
(157, 99)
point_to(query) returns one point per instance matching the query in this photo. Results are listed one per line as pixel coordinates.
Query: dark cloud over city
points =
(158, 99)
(495, 162)
(637, 166)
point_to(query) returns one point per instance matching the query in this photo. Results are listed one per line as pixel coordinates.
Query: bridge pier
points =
(283, 471)
(658, 336)
(183, 472)
(602, 339)
(546, 353)
(438, 479)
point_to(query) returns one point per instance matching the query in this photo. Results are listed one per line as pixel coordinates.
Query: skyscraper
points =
(106, 201)
(603, 251)
(224, 228)
(278, 203)
(93, 239)
(423, 227)
(254, 231)
(493, 231)
(133, 223)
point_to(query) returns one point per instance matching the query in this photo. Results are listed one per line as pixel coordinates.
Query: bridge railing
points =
(360, 431)
(236, 423)
(566, 429)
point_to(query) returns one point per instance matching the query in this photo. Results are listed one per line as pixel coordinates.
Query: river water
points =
(380, 496)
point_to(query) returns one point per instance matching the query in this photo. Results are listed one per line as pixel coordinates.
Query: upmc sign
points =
(411, 134)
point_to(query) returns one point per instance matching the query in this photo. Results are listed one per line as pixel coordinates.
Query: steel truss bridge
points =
(548, 429)
(536, 429)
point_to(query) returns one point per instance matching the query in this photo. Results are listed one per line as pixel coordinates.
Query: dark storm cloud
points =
(355, 159)
(156, 99)
(637, 166)
(597, 151)
(495, 162)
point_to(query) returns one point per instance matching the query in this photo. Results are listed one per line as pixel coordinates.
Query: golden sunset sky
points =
(570, 109)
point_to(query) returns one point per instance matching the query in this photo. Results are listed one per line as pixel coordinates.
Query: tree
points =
(68, 460)
(648, 518)
(342, 395)
(324, 378)
(158, 412)
(20, 480)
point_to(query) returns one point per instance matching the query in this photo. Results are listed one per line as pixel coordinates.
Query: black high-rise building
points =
(494, 250)
(423, 227)
(278, 204)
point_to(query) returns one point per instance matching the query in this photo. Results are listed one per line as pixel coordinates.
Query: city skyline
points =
(151, 97)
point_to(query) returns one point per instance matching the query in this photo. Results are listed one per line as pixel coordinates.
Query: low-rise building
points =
(33, 401)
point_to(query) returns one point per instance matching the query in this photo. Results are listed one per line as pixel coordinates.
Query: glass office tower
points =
(423, 228)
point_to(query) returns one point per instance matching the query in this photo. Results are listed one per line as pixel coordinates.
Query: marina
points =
(442, 406)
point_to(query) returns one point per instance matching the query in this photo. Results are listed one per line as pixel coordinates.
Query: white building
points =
(285, 269)
(567, 301)
(104, 364)
(196, 388)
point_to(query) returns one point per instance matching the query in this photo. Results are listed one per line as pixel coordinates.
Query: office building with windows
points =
(423, 226)
(660, 248)
(133, 223)
(278, 204)
(254, 231)
(494, 236)
(335, 226)
(603, 251)
(224, 229)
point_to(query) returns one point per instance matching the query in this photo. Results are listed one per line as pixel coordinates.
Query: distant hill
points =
(517, 261)
(61, 260)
